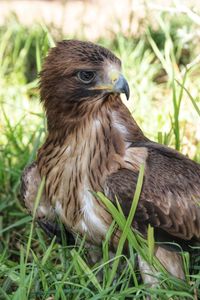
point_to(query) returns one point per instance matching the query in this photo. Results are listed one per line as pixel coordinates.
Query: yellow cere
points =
(114, 75)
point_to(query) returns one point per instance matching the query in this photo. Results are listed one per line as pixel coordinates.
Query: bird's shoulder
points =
(162, 162)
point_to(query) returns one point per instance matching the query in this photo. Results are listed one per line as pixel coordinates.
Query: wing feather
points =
(45, 215)
(170, 196)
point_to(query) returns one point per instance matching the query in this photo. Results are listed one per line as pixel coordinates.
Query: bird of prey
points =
(94, 144)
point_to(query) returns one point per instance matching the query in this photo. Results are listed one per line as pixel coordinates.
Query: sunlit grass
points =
(165, 87)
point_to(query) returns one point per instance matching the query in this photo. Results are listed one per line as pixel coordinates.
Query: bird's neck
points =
(62, 124)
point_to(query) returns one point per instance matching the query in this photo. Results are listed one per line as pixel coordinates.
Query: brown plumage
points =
(94, 144)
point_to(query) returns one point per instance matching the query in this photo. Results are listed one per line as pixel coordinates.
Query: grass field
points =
(162, 66)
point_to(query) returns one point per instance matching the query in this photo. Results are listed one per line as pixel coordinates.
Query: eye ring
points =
(86, 76)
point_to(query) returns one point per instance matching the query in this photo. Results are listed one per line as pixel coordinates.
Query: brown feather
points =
(170, 194)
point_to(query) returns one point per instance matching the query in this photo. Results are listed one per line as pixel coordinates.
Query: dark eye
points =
(86, 76)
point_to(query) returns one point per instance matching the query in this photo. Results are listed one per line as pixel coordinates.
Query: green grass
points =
(162, 68)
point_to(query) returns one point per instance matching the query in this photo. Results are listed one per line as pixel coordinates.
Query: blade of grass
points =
(127, 225)
(190, 97)
(17, 224)
(86, 270)
(37, 200)
(151, 242)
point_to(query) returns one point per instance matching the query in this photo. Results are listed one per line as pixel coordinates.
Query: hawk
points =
(94, 144)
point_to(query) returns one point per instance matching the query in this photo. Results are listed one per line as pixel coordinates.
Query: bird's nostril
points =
(114, 76)
(114, 80)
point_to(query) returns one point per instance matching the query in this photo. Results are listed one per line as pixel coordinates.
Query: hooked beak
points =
(121, 86)
(115, 83)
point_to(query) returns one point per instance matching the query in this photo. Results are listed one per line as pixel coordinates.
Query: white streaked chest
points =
(74, 202)
(91, 223)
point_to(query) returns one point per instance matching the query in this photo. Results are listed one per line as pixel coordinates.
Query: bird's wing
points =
(170, 195)
(30, 182)
(45, 213)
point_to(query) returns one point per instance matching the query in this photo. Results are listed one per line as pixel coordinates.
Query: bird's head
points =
(77, 73)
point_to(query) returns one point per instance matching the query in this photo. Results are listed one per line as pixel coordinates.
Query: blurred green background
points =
(159, 45)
